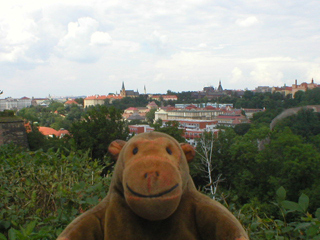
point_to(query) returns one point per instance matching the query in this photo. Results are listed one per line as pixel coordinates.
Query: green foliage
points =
(7, 113)
(42, 192)
(171, 128)
(99, 127)
(150, 116)
(305, 123)
(242, 128)
(127, 102)
(56, 115)
(295, 222)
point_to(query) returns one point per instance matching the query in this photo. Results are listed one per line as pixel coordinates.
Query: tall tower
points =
(123, 91)
(145, 90)
(220, 89)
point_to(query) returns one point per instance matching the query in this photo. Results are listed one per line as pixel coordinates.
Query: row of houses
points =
(20, 103)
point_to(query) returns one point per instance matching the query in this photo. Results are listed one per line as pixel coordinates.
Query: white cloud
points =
(202, 45)
(83, 41)
(266, 73)
(236, 75)
(17, 34)
(100, 38)
(247, 22)
(181, 44)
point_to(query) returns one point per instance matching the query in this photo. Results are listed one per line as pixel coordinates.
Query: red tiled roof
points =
(102, 97)
(152, 104)
(47, 131)
(169, 96)
(71, 102)
(114, 96)
(132, 108)
(210, 108)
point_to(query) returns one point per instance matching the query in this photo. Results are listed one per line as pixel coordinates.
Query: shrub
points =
(41, 192)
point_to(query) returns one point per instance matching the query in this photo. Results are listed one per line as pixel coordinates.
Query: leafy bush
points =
(41, 192)
(295, 222)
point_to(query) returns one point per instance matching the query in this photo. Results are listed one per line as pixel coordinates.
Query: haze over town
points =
(90, 47)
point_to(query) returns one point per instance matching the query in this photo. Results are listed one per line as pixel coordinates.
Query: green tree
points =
(54, 106)
(305, 123)
(80, 101)
(36, 139)
(150, 116)
(100, 126)
(30, 113)
(171, 128)
(242, 128)
(286, 161)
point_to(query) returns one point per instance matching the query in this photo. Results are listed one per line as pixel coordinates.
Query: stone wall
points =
(13, 130)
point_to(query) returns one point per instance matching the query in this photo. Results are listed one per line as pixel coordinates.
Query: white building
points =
(14, 103)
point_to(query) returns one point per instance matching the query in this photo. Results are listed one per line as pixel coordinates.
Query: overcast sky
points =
(74, 47)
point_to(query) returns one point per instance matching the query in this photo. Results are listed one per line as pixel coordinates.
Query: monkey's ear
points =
(115, 148)
(188, 151)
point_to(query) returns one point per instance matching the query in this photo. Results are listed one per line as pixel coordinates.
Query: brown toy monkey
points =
(152, 196)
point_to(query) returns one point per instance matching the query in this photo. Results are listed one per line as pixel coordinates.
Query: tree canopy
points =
(99, 127)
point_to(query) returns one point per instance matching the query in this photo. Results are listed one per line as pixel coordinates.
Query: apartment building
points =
(15, 103)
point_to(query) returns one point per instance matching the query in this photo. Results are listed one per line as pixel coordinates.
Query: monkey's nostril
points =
(157, 174)
(145, 175)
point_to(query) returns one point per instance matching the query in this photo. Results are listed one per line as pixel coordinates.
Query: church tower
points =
(123, 91)
(220, 89)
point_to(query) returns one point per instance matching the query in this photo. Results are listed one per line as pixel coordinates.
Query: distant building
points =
(94, 100)
(284, 90)
(40, 101)
(295, 88)
(15, 103)
(164, 97)
(195, 114)
(136, 129)
(71, 102)
(135, 113)
(99, 99)
(210, 92)
(152, 105)
(231, 120)
(128, 93)
(303, 86)
(263, 89)
(194, 124)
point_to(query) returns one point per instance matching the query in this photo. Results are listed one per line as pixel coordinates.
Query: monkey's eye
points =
(169, 151)
(135, 151)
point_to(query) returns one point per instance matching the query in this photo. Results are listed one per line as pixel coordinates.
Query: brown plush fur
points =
(152, 196)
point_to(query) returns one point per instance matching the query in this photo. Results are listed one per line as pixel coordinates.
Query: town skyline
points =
(144, 91)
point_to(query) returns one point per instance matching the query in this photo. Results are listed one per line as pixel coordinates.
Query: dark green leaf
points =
(292, 206)
(281, 194)
(304, 202)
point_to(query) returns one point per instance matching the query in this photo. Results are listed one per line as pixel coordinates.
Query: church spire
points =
(220, 89)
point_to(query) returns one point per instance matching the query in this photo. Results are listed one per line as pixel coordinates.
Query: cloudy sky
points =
(74, 47)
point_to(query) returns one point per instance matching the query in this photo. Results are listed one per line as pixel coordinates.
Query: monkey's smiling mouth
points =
(152, 195)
